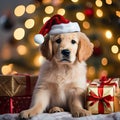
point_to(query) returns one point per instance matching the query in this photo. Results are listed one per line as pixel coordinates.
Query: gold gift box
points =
(107, 90)
(115, 105)
(17, 85)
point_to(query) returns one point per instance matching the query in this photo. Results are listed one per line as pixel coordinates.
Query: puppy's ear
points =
(46, 48)
(85, 47)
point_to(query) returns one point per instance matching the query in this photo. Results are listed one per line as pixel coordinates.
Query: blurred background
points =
(20, 20)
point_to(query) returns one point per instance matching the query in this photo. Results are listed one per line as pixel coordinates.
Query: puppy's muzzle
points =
(65, 53)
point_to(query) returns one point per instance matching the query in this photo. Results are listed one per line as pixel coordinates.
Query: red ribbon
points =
(102, 100)
(11, 105)
(107, 81)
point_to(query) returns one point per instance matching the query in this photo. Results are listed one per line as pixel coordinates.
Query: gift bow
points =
(105, 81)
(102, 100)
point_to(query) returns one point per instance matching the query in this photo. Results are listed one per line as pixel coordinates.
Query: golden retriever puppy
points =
(62, 80)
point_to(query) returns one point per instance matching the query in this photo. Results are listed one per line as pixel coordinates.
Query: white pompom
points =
(39, 38)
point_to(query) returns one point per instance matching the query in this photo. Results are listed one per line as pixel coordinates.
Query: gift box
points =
(14, 104)
(100, 99)
(101, 95)
(17, 85)
(15, 92)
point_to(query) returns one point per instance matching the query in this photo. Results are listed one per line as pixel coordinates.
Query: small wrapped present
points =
(100, 99)
(15, 92)
(17, 85)
(14, 104)
(101, 94)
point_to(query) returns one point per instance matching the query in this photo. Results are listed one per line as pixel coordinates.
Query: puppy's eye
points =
(58, 41)
(73, 41)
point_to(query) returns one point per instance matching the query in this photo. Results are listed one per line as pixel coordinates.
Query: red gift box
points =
(15, 92)
(14, 104)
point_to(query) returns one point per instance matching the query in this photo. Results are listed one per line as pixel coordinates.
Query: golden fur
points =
(62, 79)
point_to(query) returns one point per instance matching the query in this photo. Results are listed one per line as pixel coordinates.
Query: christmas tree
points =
(100, 20)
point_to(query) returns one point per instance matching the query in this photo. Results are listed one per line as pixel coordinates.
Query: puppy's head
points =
(67, 48)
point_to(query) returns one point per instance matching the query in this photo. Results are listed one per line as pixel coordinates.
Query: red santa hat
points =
(56, 25)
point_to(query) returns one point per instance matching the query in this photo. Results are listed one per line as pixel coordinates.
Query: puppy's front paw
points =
(28, 113)
(79, 112)
(56, 109)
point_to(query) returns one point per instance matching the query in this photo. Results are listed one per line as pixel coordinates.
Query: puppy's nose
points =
(65, 52)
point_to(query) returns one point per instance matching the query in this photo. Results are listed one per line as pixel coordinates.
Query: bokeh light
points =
(118, 13)
(91, 70)
(99, 12)
(30, 8)
(108, 34)
(80, 16)
(6, 69)
(61, 11)
(29, 23)
(22, 50)
(19, 10)
(49, 9)
(74, 0)
(109, 2)
(104, 61)
(98, 3)
(38, 60)
(19, 33)
(86, 25)
(114, 49)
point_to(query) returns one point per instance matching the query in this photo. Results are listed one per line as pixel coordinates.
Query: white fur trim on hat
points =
(65, 28)
(39, 38)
